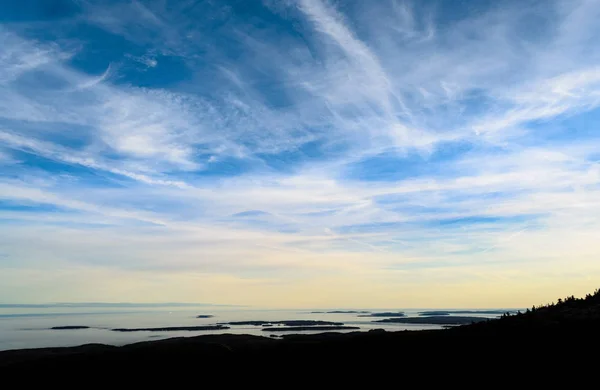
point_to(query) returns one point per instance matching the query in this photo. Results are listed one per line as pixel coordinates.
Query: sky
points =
(308, 153)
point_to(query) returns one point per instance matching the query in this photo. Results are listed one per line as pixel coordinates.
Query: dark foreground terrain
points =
(554, 344)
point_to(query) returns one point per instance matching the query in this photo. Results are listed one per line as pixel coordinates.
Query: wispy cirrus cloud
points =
(311, 144)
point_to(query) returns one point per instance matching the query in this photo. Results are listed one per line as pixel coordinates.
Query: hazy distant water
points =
(28, 327)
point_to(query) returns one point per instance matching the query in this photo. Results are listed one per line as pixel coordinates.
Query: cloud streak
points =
(315, 145)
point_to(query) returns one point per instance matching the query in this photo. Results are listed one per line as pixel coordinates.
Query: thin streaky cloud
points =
(309, 152)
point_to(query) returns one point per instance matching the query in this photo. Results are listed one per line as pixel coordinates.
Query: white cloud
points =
(148, 60)
(19, 57)
(391, 79)
(95, 80)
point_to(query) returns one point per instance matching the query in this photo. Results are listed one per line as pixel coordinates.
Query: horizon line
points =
(113, 304)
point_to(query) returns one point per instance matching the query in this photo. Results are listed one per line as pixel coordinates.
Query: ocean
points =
(28, 326)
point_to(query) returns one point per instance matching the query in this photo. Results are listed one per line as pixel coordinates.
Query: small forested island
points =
(285, 322)
(435, 320)
(434, 313)
(204, 316)
(307, 328)
(69, 327)
(340, 312)
(449, 312)
(385, 314)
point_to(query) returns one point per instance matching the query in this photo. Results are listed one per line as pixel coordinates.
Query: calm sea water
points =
(28, 327)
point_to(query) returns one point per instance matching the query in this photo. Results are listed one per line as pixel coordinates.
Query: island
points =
(172, 328)
(449, 312)
(204, 316)
(385, 314)
(435, 320)
(69, 327)
(308, 328)
(286, 323)
(434, 313)
(340, 312)
(254, 323)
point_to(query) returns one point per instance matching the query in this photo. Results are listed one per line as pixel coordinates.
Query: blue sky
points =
(307, 153)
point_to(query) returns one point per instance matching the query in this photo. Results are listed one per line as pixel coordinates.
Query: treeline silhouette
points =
(564, 311)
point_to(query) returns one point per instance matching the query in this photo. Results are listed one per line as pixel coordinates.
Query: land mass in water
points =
(284, 322)
(340, 312)
(69, 327)
(307, 328)
(435, 320)
(559, 339)
(450, 312)
(385, 314)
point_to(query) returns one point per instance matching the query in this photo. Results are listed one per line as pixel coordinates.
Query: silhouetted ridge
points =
(569, 311)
